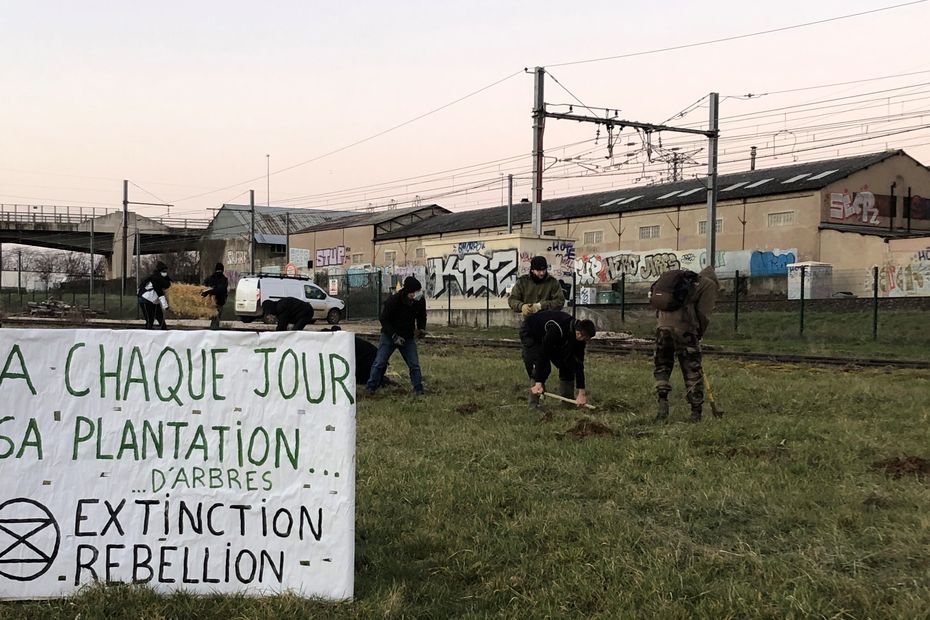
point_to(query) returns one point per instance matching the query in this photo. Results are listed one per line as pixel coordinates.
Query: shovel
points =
(718, 413)
(567, 400)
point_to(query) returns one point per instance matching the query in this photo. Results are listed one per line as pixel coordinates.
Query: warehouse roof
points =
(384, 221)
(765, 182)
(271, 223)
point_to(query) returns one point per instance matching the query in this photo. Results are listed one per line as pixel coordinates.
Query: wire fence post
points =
(875, 303)
(378, 292)
(448, 282)
(574, 293)
(736, 304)
(623, 298)
(803, 274)
(348, 295)
(487, 307)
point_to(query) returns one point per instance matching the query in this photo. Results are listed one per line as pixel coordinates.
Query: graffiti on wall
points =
(327, 257)
(858, 207)
(473, 273)
(564, 253)
(467, 247)
(237, 257)
(647, 266)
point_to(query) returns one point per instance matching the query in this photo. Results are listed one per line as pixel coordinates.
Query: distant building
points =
(227, 239)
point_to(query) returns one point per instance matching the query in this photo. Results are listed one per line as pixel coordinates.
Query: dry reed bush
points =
(184, 301)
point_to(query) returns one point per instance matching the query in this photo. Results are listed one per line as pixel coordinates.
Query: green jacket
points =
(694, 316)
(547, 293)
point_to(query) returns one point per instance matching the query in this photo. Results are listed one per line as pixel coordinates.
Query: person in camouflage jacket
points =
(679, 334)
(533, 293)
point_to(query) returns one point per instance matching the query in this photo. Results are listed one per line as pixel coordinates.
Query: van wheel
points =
(246, 319)
(333, 316)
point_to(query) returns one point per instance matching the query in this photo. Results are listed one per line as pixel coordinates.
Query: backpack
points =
(672, 289)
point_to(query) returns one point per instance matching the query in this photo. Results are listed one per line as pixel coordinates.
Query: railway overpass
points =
(98, 230)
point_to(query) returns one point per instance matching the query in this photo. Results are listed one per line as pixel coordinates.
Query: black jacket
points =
(290, 310)
(400, 315)
(159, 283)
(219, 287)
(555, 331)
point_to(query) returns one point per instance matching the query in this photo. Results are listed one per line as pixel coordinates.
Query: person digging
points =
(558, 339)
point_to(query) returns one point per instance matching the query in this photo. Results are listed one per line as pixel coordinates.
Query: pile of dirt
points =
(899, 467)
(467, 408)
(589, 428)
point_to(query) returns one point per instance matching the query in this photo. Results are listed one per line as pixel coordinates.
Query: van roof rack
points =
(280, 276)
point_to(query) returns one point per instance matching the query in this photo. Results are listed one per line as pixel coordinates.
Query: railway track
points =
(610, 346)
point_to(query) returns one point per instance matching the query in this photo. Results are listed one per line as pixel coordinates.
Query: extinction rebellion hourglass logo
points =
(29, 539)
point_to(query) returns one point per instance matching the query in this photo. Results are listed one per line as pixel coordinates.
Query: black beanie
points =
(219, 267)
(411, 285)
(160, 266)
(539, 262)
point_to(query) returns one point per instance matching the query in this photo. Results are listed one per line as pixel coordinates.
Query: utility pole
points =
(712, 181)
(712, 134)
(268, 179)
(126, 203)
(122, 289)
(509, 204)
(539, 124)
(752, 158)
(91, 259)
(252, 230)
(287, 236)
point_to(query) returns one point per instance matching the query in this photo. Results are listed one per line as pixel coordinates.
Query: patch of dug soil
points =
(908, 466)
(589, 428)
(467, 408)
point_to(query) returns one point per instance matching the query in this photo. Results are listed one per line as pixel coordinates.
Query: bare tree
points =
(75, 265)
(182, 266)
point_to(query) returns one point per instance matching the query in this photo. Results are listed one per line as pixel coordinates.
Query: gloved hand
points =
(526, 309)
(537, 307)
(204, 292)
(419, 333)
(399, 340)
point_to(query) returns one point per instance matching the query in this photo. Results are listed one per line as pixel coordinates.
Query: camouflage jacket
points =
(548, 293)
(694, 316)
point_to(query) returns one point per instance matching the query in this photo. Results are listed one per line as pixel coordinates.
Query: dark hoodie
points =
(402, 315)
(159, 282)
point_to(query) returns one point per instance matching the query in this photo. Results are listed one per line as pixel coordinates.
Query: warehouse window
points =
(649, 232)
(781, 218)
(358, 259)
(702, 227)
(390, 256)
(593, 237)
(421, 252)
(549, 233)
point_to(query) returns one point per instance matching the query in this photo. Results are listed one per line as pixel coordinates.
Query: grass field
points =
(471, 505)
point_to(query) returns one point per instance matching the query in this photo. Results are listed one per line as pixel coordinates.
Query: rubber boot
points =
(662, 410)
(567, 390)
(696, 413)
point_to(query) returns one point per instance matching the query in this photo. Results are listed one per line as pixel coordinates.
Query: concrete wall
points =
(337, 247)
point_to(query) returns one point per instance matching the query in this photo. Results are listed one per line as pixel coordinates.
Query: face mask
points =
(164, 274)
(417, 296)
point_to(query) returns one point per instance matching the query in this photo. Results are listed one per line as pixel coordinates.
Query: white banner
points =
(199, 460)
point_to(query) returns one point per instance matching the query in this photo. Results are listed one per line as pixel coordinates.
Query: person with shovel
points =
(558, 340)
(403, 320)
(684, 301)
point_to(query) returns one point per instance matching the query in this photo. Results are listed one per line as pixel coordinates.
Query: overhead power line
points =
(735, 37)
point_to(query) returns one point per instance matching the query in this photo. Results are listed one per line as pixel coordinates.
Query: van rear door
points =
(247, 296)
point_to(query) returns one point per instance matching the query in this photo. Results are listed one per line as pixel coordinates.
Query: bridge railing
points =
(54, 214)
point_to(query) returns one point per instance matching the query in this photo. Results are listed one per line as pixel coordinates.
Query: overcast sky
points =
(184, 98)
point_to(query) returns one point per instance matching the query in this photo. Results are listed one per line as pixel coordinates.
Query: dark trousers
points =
(300, 322)
(687, 349)
(531, 351)
(151, 313)
(215, 322)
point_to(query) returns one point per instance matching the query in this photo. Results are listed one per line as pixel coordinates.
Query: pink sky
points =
(184, 98)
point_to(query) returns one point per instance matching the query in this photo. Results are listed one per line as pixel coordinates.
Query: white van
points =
(251, 291)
